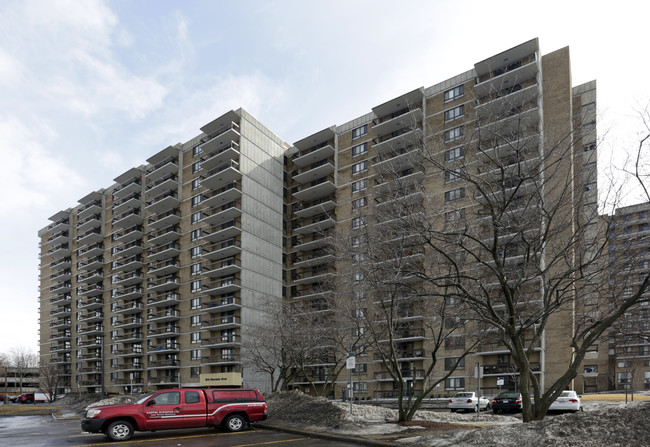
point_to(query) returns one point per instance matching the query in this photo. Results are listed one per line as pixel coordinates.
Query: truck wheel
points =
(235, 422)
(119, 431)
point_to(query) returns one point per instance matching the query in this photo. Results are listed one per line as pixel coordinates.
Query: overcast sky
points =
(89, 89)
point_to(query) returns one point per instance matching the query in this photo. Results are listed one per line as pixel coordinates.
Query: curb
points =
(328, 436)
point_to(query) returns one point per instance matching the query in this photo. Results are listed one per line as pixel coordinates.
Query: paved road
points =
(42, 431)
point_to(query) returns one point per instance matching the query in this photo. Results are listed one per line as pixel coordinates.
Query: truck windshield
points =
(142, 399)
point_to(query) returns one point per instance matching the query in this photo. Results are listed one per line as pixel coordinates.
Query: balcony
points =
(93, 276)
(225, 249)
(219, 176)
(164, 202)
(222, 268)
(164, 348)
(218, 233)
(224, 304)
(404, 180)
(316, 189)
(163, 236)
(61, 287)
(58, 300)
(398, 120)
(164, 316)
(510, 77)
(222, 341)
(169, 165)
(163, 185)
(91, 290)
(166, 251)
(164, 364)
(309, 209)
(228, 150)
(91, 316)
(133, 200)
(61, 222)
(132, 307)
(167, 380)
(60, 323)
(315, 258)
(127, 264)
(222, 214)
(90, 303)
(520, 122)
(223, 286)
(398, 160)
(91, 208)
(220, 130)
(62, 347)
(221, 323)
(318, 240)
(164, 284)
(129, 293)
(506, 99)
(229, 193)
(398, 140)
(316, 224)
(60, 336)
(91, 251)
(128, 235)
(59, 238)
(310, 294)
(128, 367)
(129, 183)
(314, 171)
(132, 351)
(128, 218)
(59, 251)
(164, 219)
(162, 332)
(93, 236)
(60, 264)
(61, 311)
(163, 299)
(314, 148)
(314, 276)
(89, 222)
(129, 337)
(163, 268)
(128, 279)
(91, 329)
(129, 322)
(507, 368)
(220, 359)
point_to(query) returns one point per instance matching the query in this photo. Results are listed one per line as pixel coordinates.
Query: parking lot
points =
(37, 431)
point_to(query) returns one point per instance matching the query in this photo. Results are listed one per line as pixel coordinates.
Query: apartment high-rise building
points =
(157, 279)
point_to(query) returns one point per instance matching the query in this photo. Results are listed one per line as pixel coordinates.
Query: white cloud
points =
(32, 176)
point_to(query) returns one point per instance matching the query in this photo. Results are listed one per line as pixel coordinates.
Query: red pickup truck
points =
(231, 409)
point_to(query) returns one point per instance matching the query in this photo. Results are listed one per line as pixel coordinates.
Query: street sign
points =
(351, 361)
(500, 381)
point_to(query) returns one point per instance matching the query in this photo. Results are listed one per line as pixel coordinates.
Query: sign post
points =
(478, 374)
(351, 364)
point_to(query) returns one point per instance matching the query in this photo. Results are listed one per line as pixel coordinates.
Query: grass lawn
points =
(26, 410)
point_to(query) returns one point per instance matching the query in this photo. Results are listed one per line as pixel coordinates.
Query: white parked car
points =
(568, 401)
(467, 400)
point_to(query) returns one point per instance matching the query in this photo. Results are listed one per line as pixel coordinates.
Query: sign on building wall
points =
(221, 379)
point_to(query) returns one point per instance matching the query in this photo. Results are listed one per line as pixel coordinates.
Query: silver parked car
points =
(467, 400)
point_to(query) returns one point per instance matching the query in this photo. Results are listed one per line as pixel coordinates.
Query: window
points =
(195, 320)
(196, 167)
(358, 257)
(454, 194)
(360, 295)
(196, 151)
(196, 286)
(452, 176)
(359, 149)
(196, 234)
(195, 354)
(196, 217)
(454, 93)
(357, 168)
(643, 215)
(357, 241)
(195, 251)
(171, 398)
(196, 200)
(195, 303)
(195, 337)
(455, 154)
(455, 383)
(450, 362)
(455, 342)
(195, 269)
(361, 202)
(455, 216)
(643, 227)
(359, 185)
(360, 387)
(357, 222)
(454, 134)
(359, 132)
(195, 371)
(192, 397)
(359, 276)
(591, 369)
(455, 113)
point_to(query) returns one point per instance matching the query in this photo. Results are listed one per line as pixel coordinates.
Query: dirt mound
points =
(615, 426)
(296, 408)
